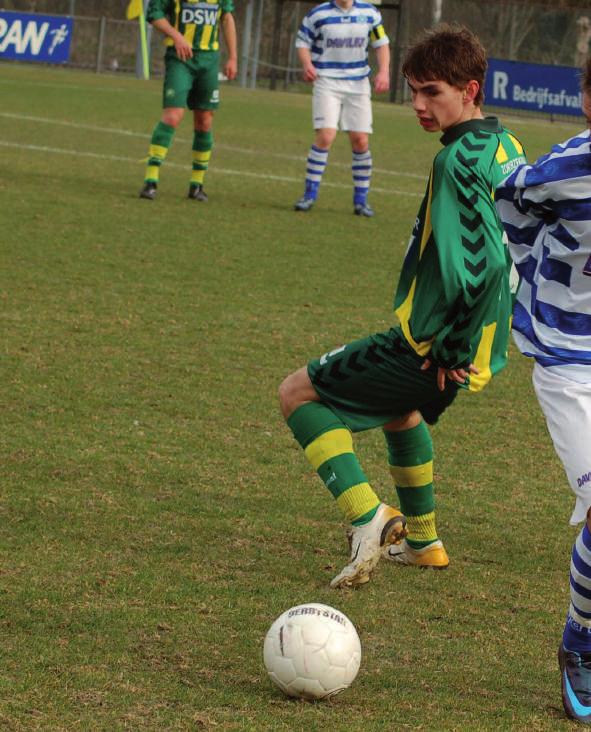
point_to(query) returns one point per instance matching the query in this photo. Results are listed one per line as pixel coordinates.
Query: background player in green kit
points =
(192, 62)
(453, 303)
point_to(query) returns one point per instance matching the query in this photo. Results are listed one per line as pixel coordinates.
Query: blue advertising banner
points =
(537, 87)
(28, 37)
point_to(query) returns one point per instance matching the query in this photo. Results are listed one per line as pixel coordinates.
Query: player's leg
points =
(202, 147)
(357, 120)
(204, 99)
(326, 107)
(328, 445)
(177, 83)
(567, 408)
(410, 455)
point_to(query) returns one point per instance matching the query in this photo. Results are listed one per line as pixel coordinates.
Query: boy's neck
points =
(470, 114)
(344, 4)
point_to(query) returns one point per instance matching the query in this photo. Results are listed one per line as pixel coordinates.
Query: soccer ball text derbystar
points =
(312, 651)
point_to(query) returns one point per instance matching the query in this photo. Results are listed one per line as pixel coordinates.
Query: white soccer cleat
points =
(387, 527)
(432, 556)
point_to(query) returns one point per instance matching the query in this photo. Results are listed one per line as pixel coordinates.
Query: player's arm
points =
(229, 33)
(380, 43)
(304, 40)
(472, 262)
(521, 223)
(308, 69)
(381, 80)
(181, 45)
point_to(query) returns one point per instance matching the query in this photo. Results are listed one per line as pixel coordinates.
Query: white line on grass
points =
(222, 171)
(57, 85)
(230, 148)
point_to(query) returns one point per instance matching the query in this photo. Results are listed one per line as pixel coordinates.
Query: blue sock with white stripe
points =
(361, 169)
(315, 166)
(577, 631)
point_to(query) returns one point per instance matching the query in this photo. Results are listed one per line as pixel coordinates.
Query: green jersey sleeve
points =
(159, 9)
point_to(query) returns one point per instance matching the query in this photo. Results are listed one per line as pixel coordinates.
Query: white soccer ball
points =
(312, 651)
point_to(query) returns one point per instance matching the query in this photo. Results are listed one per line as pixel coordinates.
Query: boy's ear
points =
(471, 90)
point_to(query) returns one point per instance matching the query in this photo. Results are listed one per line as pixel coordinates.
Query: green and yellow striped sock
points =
(328, 445)
(202, 147)
(410, 454)
(159, 144)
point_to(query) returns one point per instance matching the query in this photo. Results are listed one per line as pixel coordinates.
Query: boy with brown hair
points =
(453, 304)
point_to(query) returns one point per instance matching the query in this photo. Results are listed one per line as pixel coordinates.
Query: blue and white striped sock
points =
(577, 632)
(361, 169)
(315, 166)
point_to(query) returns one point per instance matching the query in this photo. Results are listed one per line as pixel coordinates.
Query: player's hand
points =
(381, 82)
(231, 68)
(457, 375)
(310, 72)
(182, 47)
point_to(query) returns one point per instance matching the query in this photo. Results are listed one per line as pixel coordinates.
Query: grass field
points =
(156, 514)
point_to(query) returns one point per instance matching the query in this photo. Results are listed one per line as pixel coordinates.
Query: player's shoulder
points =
(362, 5)
(468, 142)
(579, 144)
(565, 166)
(368, 8)
(320, 9)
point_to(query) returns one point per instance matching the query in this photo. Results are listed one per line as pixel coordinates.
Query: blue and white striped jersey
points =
(546, 211)
(339, 39)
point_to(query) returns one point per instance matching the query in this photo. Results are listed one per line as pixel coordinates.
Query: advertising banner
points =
(536, 87)
(28, 37)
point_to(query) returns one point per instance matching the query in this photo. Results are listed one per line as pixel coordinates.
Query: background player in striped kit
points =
(453, 302)
(332, 47)
(546, 211)
(191, 80)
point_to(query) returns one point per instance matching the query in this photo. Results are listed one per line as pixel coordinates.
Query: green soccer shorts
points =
(192, 83)
(369, 382)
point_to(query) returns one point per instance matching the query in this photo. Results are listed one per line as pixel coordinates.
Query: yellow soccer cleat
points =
(432, 556)
(367, 543)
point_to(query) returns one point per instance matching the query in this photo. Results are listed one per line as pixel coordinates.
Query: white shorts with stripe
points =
(341, 104)
(567, 407)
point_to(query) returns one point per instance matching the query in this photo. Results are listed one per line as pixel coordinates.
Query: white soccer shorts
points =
(341, 104)
(567, 407)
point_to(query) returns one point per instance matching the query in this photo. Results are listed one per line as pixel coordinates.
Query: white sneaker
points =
(432, 556)
(388, 526)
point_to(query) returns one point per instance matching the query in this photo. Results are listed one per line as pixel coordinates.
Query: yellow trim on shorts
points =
(329, 445)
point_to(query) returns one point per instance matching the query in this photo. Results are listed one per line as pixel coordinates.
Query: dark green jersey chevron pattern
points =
(453, 297)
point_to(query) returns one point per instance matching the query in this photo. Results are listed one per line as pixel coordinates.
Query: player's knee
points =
(203, 120)
(359, 143)
(406, 422)
(286, 395)
(324, 138)
(172, 116)
(293, 392)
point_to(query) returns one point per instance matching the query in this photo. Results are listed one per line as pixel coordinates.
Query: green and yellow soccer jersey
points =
(197, 20)
(453, 299)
